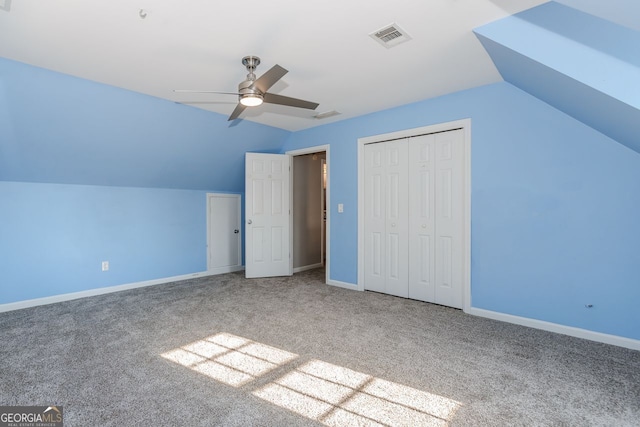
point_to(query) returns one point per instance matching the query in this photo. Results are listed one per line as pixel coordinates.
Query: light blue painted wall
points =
(583, 65)
(554, 206)
(622, 12)
(553, 201)
(90, 172)
(61, 129)
(586, 48)
(54, 237)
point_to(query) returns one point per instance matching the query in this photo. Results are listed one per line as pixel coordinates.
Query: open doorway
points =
(309, 209)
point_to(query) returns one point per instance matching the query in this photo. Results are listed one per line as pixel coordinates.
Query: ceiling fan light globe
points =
(251, 100)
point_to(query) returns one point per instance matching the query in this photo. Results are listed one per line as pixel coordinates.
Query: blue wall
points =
(554, 206)
(585, 66)
(554, 202)
(90, 173)
(55, 237)
(61, 129)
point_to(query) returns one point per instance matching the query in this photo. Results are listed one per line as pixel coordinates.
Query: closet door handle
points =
(236, 231)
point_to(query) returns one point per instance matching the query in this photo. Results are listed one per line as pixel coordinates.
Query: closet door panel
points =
(396, 156)
(421, 218)
(414, 209)
(449, 215)
(374, 215)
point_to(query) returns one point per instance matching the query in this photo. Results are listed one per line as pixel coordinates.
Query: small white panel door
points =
(421, 218)
(449, 217)
(267, 214)
(223, 225)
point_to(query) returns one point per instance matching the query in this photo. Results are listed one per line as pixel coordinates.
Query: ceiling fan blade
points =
(202, 102)
(203, 91)
(239, 109)
(269, 78)
(291, 102)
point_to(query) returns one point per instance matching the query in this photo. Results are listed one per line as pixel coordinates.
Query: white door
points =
(436, 215)
(422, 218)
(397, 250)
(386, 218)
(449, 218)
(267, 215)
(374, 218)
(414, 244)
(223, 233)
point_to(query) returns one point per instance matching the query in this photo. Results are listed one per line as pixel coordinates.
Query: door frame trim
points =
(311, 150)
(230, 268)
(465, 125)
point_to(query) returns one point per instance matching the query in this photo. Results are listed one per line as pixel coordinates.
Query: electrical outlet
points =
(340, 208)
(105, 265)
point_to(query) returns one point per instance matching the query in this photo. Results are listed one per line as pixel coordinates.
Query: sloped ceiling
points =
(88, 130)
(199, 44)
(583, 65)
(60, 129)
(622, 12)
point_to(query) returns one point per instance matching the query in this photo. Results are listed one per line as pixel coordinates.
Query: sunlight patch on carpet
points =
(330, 394)
(337, 396)
(230, 359)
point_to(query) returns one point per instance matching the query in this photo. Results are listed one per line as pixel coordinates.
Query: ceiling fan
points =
(253, 91)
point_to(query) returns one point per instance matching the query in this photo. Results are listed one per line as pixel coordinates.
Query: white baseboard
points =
(523, 321)
(557, 328)
(307, 267)
(345, 285)
(107, 290)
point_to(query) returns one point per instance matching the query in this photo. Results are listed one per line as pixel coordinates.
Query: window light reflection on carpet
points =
(229, 359)
(321, 391)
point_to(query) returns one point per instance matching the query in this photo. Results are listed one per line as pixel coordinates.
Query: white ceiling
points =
(199, 44)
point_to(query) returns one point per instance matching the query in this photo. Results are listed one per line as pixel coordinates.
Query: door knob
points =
(249, 222)
(236, 231)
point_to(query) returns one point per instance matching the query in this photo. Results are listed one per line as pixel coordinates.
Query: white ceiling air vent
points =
(390, 35)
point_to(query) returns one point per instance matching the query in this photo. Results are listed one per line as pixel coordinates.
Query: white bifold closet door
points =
(386, 226)
(414, 223)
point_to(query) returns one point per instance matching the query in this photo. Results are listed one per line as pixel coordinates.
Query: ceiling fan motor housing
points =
(246, 91)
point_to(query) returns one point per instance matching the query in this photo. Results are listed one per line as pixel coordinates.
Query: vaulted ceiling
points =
(557, 51)
(199, 44)
(583, 65)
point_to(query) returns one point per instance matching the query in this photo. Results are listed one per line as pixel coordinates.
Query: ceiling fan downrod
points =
(251, 62)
